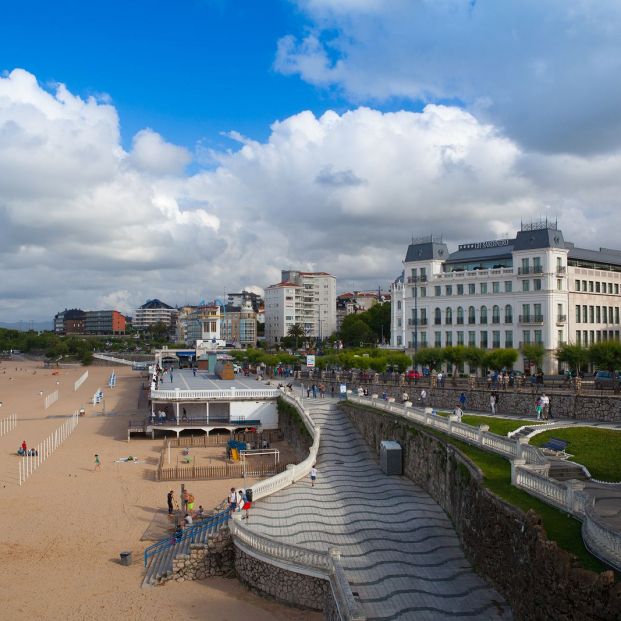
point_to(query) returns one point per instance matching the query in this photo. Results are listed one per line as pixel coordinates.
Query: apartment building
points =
(534, 288)
(305, 298)
(153, 312)
(104, 322)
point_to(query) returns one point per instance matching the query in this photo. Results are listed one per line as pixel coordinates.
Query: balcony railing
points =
(415, 279)
(421, 322)
(459, 321)
(531, 269)
(495, 319)
(561, 318)
(561, 269)
(531, 319)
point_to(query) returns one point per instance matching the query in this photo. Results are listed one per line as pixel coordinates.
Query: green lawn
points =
(597, 449)
(500, 426)
(560, 527)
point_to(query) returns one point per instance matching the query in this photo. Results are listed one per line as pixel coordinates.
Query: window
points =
(508, 314)
(423, 292)
(483, 287)
(495, 287)
(598, 314)
(496, 339)
(577, 285)
(449, 289)
(423, 316)
(460, 337)
(460, 290)
(559, 264)
(578, 337)
(471, 288)
(399, 305)
(437, 339)
(471, 315)
(423, 272)
(508, 286)
(537, 312)
(508, 338)
(538, 336)
(592, 336)
(472, 335)
(413, 292)
(524, 266)
(616, 288)
(577, 313)
(604, 314)
(483, 314)
(537, 269)
(526, 312)
(449, 339)
(437, 290)
(616, 314)
(460, 315)
(495, 314)
(590, 286)
(399, 340)
(609, 288)
(526, 337)
(584, 286)
(483, 340)
(537, 284)
(414, 272)
(448, 316)
(423, 339)
(559, 284)
(399, 322)
(585, 318)
(591, 314)
(596, 286)
(437, 316)
(525, 285)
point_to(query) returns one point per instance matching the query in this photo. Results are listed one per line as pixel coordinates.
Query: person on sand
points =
(313, 475)
(24, 446)
(232, 500)
(169, 499)
(97, 462)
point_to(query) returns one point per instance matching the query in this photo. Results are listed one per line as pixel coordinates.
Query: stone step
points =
(563, 471)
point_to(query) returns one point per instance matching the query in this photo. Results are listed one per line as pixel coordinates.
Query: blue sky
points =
(355, 125)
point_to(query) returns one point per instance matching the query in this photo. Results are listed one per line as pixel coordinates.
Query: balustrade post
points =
(521, 451)
(482, 429)
(573, 486)
(515, 464)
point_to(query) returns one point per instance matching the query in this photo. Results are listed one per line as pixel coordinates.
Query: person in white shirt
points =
(492, 403)
(458, 412)
(545, 402)
(188, 520)
(423, 396)
(313, 475)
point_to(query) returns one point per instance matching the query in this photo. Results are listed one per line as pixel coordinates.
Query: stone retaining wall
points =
(508, 547)
(283, 585)
(293, 430)
(572, 406)
(215, 558)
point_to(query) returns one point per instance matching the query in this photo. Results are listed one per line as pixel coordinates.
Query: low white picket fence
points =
(80, 380)
(51, 398)
(29, 463)
(8, 424)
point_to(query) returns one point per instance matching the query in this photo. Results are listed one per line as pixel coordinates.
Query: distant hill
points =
(24, 326)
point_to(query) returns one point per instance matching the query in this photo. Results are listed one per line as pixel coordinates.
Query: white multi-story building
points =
(153, 312)
(305, 298)
(535, 288)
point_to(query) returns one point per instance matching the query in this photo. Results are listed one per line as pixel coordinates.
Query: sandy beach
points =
(63, 529)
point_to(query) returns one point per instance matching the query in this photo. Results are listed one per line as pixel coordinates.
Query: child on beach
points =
(97, 462)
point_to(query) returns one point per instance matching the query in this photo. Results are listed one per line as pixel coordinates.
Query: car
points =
(413, 374)
(603, 379)
(236, 368)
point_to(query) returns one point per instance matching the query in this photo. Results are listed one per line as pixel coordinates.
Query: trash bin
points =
(126, 558)
(249, 494)
(390, 457)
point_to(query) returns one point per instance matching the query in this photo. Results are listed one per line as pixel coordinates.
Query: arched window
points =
(508, 314)
(483, 314)
(437, 316)
(471, 316)
(460, 314)
(496, 314)
(449, 316)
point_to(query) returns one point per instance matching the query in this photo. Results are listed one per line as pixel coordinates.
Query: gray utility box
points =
(390, 457)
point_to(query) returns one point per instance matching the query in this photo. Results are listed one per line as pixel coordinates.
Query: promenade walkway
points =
(400, 552)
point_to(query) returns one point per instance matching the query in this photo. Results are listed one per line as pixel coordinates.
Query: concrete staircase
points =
(160, 567)
(562, 470)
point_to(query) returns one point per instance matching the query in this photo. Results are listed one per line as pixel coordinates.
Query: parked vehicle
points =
(413, 374)
(603, 379)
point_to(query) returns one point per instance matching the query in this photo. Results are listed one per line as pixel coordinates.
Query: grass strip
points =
(597, 449)
(500, 426)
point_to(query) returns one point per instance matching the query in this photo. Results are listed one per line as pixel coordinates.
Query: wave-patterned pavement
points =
(400, 552)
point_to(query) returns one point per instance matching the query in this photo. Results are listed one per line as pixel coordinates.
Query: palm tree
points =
(296, 331)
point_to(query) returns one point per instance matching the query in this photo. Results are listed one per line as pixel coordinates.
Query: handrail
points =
(599, 538)
(189, 533)
(231, 393)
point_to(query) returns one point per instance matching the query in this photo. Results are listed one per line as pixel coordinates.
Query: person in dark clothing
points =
(169, 499)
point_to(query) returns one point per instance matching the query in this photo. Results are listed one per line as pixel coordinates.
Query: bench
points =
(557, 446)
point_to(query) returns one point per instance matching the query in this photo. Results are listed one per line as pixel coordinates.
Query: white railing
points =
(540, 485)
(326, 565)
(600, 539)
(112, 380)
(80, 381)
(8, 424)
(113, 359)
(50, 399)
(499, 444)
(36, 455)
(215, 395)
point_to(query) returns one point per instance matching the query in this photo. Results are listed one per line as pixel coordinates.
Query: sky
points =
(181, 150)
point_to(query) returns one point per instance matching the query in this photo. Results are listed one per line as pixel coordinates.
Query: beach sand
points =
(63, 529)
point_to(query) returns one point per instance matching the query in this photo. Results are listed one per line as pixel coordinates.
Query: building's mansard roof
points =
(155, 304)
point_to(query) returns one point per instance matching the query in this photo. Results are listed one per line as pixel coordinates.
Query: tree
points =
(574, 355)
(534, 352)
(355, 331)
(429, 356)
(475, 357)
(607, 355)
(378, 319)
(501, 358)
(296, 331)
(455, 356)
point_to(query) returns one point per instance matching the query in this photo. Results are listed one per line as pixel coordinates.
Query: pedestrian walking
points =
(169, 500)
(97, 462)
(545, 404)
(313, 475)
(232, 500)
(423, 397)
(492, 402)
(458, 412)
(462, 400)
(538, 408)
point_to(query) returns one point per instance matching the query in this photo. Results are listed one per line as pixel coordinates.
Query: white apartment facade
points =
(305, 298)
(154, 312)
(535, 288)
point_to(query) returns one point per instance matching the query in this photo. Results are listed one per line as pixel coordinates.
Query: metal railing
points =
(530, 319)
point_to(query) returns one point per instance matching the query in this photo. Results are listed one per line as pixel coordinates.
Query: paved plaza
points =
(401, 554)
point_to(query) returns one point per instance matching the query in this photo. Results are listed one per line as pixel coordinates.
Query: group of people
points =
(239, 501)
(317, 389)
(542, 407)
(24, 451)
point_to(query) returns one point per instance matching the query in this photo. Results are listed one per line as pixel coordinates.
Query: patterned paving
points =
(399, 549)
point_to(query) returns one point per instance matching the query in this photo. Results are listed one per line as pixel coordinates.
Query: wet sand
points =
(63, 529)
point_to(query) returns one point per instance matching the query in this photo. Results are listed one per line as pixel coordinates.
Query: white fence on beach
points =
(8, 424)
(36, 455)
(80, 380)
(51, 398)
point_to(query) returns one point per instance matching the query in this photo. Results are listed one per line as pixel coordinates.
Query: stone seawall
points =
(572, 406)
(508, 547)
(293, 429)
